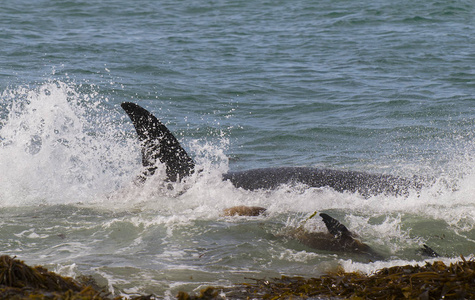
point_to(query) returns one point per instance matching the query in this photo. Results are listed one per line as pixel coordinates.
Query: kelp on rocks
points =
(432, 281)
(20, 281)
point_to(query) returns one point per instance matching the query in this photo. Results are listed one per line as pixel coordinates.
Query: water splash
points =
(53, 152)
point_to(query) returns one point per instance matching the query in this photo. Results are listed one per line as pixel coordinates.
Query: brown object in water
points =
(242, 210)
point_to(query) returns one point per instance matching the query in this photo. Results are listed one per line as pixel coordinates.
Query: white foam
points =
(372, 267)
(53, 152)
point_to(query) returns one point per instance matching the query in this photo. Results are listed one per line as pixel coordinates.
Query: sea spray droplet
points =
(34, 145)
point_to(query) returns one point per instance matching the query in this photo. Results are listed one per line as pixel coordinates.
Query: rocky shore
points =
(432, 281)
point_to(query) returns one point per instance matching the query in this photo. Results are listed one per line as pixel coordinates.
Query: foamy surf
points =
(68, 162)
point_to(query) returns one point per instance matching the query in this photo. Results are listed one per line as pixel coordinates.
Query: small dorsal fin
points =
(158, 142)
(335, 227)
(428, 251)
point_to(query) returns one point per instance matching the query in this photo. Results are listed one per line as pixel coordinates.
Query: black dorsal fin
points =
(426, 250)
(335, 227)
(158, 142)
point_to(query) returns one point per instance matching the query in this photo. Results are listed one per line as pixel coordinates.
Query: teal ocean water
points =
(382, 87)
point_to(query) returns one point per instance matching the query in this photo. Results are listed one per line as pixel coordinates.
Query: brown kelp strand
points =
(431, 281)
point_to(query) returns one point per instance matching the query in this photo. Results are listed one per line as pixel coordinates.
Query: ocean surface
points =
(373, 86)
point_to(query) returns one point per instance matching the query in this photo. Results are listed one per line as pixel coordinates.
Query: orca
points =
(340, 239)
(337, 239)
(158, 144)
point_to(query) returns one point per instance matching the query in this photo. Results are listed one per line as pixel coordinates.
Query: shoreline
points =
(434, 280)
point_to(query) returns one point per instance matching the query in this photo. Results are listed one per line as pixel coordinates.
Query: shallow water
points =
(376, 87)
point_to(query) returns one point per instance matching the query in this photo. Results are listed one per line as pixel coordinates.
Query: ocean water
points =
(374, 86)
